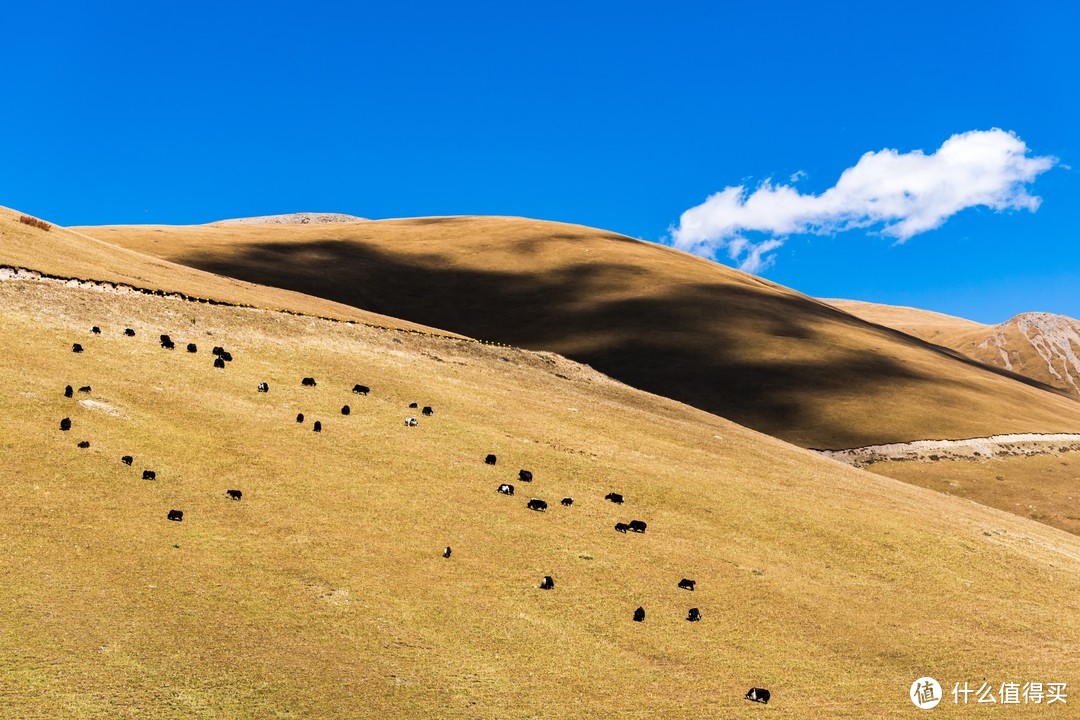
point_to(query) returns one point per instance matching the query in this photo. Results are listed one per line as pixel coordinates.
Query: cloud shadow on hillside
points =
(693, 352)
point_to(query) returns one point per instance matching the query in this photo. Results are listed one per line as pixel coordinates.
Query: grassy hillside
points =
(1042, 487)
(323, 592)
(1041, 346)
(65, 253)
(729, 343)
(934, 327)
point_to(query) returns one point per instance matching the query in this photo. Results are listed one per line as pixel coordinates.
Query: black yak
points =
(760, 695)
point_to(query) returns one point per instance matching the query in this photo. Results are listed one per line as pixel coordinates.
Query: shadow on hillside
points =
(693, 347)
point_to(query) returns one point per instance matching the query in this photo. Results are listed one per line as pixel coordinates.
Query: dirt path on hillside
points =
(981, 448)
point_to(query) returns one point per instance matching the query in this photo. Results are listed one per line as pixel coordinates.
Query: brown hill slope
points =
(658, 319)
(1041, 346)
(65, 253)
(323, 593)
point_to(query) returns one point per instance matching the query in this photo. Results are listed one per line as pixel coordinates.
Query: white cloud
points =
(900, 194)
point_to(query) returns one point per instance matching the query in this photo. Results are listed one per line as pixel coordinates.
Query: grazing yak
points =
(538, 505)
(167, 343)
(687, 584)
(234, 494)
(308, 382)
(694, 615)
(68, 391)
(427, 411)
(760, 695)
(218, 350)
(506, 489)
(263, 387)
(299, 417)
(127, 459)
(568, 501)
(615, 498)
(84, 444)
(621, 527)
(446, 552)
(85, 389)
(65, 424)
(192, 347)
(345, 410)
(637, 526)
(524, 475)
(547, 583)
(129, 332)
(361, 389)
(96, 330)
(490, 460)
(176, 515)
(149, 475)
(219, 363)
(639, 615)
(410, 422)
(76, 348)
(413, 406)
(317, 427)
(226, 356)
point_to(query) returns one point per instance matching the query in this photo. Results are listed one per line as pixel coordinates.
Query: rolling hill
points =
(323, 592)
(68, 254)
(729, 343)
(1042, 346)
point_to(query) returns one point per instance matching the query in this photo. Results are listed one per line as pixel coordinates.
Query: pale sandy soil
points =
(1011, 445)
(300, 218)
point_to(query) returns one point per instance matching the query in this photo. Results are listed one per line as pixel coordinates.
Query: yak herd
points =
(222, 357)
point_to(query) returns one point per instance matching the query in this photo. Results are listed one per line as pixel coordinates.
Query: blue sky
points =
(615, 115)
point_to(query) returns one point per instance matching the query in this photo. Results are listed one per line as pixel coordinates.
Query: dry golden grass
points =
(65, 253)
(1002, 345)
(729, 343)
(1042, 487)
(931, 326)
(323, 593)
